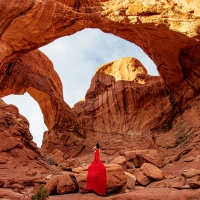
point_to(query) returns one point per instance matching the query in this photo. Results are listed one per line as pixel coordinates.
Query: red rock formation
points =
(34, 73)
(115, 178)
(19, 155)
(123, 105)
(166, 31)
(162, 29)
(124, 115)
(163, 113)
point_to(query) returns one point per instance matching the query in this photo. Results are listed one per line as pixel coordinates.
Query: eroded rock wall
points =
(163, 29)
(135, 112)
(34, 73)
(123, 106)
(20, 160)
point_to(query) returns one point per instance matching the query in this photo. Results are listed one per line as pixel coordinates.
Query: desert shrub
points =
(42, 194)
(50, 160)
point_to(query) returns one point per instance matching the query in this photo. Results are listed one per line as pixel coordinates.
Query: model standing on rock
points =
(96, 178)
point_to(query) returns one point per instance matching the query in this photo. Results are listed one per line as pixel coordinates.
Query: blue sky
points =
(76, 58)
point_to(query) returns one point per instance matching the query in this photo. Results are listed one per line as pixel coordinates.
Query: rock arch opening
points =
(29, 108)
(76, 58)
(167, 106)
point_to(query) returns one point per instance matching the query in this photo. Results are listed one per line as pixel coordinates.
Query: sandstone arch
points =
(162, 29)
(165, 30)
(34, 73)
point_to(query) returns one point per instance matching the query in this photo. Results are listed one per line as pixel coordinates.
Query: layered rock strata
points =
(136, 113)
(167, 31)
(21, 163)
(163, 29)
(124, 105)
(34, 73)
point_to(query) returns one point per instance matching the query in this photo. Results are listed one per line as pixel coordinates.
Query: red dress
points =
(96, 177)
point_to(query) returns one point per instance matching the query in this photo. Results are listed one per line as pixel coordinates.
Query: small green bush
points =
(42, 193)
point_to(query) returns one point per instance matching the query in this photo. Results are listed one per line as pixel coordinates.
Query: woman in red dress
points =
(96, 178)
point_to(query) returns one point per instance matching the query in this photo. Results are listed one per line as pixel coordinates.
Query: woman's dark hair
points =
(97, 146)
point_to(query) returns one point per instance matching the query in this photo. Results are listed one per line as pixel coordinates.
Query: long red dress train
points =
(96, 177)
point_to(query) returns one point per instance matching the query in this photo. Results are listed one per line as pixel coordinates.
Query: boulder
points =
(141, 178)
(177, 183)
(189, 159)
(138, 157)
(70, 163)
(66, 184)
(115, 176)
(190, 173)
(130, 180)
(58, 156)
(51, 184)
(62, 183)
(152, 171)
(81, 179)
(195, 185)
(193, 179)
(120, 160)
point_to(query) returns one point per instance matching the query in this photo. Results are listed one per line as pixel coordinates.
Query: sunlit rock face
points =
(163, 29)
(122, 104)
(127, 109)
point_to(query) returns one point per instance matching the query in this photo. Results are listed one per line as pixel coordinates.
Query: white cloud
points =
(76, 59)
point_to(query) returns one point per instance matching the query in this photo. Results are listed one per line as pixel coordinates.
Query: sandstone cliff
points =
(167, 31)
(125, 108)
(123, 105)
(20, 160)
(34, 73)
(163, 29)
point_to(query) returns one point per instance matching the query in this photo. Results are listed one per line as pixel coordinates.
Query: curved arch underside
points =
(34, 73)
(166, 30)
(163, 30)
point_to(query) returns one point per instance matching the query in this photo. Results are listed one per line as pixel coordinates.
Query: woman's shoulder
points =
(97, 149)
